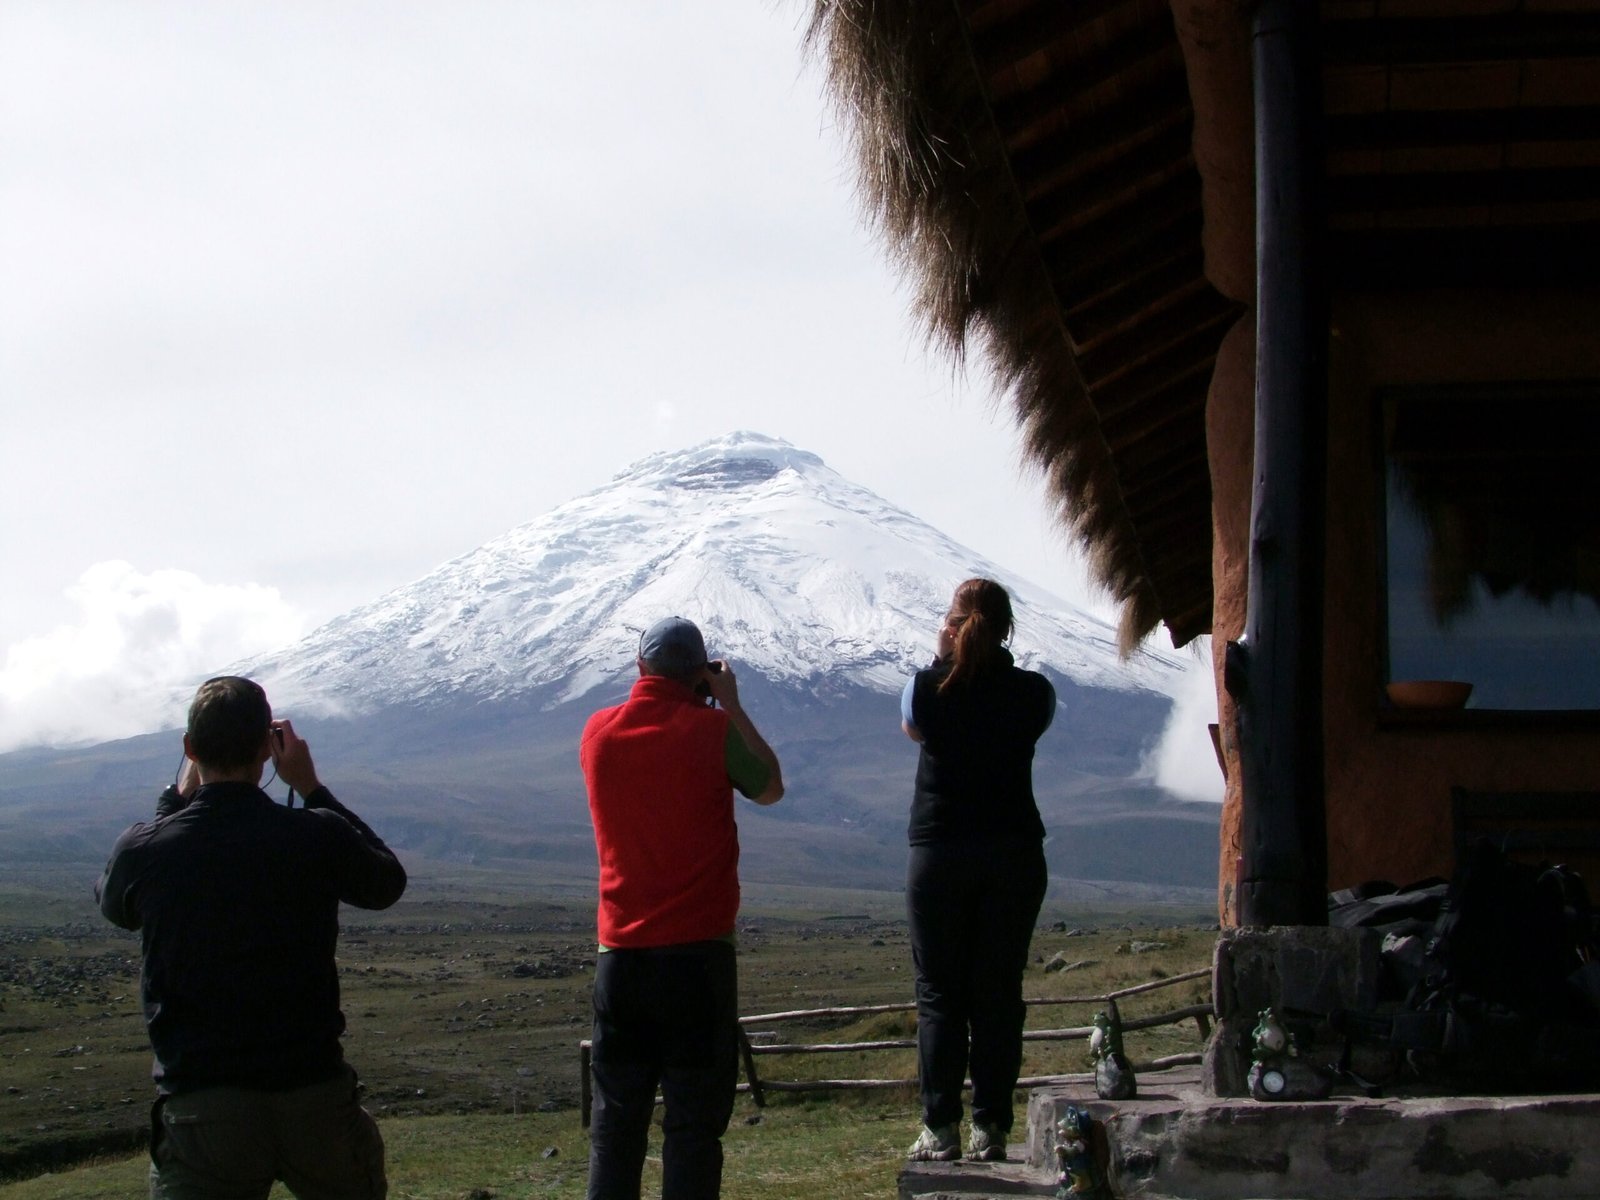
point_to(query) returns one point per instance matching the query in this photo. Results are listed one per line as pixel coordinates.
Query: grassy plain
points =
(466, 1004)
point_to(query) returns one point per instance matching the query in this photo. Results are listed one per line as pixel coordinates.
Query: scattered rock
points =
(1137, 947)
(1061, 962)
(550, 1152)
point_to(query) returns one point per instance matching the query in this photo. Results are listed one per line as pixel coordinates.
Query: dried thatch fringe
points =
(935, 183)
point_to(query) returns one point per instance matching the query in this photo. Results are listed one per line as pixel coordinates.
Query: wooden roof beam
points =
(1071, 202)
(1103, 317)
(1462, 189)
(1084, 139)
(1156, 523)
(1179, 449)
(1176, 398)
(1174, 316)
(1143, 47)
(1177, 242)
(1191, 465)
(1461, 127)
(1195, 351)
(1005, 33)
(1125, 228)
(1503, 37)
(1179, 492)
(1551, 255)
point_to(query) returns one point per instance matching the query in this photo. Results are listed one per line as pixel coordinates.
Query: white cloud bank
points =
(142, 640)
(1185, 761)
(128, 665)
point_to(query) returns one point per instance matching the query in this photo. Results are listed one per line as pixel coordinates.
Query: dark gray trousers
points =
(972, 908)
(664, 1017)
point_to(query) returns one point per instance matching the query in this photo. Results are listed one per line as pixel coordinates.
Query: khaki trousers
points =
(227, 1143)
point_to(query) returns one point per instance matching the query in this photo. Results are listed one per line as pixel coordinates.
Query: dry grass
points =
(465, 1015)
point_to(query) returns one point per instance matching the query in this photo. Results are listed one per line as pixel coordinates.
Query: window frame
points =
(1389, 714)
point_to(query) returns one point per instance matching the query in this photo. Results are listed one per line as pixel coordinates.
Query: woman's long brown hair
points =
(981, 613)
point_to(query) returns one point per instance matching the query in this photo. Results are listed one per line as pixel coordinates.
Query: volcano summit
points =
(455, 702)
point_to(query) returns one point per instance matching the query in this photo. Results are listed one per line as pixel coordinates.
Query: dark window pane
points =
(1492, 510)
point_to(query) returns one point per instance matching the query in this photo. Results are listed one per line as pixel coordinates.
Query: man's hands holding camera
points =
(718, 680)
(292, 758)
(289, 753)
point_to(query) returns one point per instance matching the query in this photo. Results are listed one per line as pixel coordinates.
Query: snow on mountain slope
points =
(790, 570)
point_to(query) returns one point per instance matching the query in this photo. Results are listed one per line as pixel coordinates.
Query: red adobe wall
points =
(1388, 787)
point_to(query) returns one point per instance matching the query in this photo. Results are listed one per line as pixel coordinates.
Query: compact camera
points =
(703, 689)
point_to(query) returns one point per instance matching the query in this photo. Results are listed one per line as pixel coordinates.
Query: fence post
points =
(585, 1083)
(756, 1092)
(1202, 1014)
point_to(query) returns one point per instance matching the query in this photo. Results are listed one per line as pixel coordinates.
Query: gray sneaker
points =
(985, 1143)
(936, 1145)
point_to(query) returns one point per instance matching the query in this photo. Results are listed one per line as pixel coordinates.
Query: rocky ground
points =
(472, 1000)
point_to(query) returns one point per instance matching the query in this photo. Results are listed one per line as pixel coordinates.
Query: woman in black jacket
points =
(977, 873)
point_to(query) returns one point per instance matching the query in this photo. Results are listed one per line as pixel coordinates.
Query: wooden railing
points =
(1200, 1014)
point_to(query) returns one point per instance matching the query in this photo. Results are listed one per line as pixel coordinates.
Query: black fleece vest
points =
(975, 774)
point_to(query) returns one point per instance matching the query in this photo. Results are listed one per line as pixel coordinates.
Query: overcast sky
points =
(300, 299)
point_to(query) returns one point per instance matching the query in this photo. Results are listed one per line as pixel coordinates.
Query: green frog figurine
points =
(1277, 1072)
(1113, 1075)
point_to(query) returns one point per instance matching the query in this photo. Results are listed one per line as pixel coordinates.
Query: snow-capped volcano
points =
(788, 567)
(453, 706)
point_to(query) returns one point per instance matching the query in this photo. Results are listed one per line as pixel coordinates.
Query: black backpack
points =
(1506, 998)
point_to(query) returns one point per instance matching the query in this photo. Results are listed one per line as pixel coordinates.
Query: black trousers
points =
(972, 908)
(664, 1017)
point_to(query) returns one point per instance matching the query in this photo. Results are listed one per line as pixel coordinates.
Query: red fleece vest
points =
(662, 807)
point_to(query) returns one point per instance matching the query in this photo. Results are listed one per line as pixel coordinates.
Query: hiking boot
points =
(986, 1143)
(936, 1145)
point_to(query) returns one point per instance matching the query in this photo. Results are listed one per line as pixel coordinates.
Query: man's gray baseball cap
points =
(673, 646)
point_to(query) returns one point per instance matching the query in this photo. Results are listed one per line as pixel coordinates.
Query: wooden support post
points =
(1275, 671)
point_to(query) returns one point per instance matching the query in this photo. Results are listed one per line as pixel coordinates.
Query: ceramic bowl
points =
(1428, 693)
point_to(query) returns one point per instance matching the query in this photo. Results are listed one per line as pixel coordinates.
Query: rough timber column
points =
(1274, 671)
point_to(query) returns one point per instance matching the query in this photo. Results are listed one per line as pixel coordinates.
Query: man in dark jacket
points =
(237, 900)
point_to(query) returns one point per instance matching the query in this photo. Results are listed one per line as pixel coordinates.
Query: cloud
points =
(127, 665)
(1184, 761)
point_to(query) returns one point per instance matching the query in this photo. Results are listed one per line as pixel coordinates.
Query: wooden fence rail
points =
(1200, 1014)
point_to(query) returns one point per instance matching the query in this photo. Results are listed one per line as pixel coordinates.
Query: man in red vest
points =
(661, 770)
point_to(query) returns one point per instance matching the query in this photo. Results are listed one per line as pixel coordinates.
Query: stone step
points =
(1175, 1141)
(973, 1180)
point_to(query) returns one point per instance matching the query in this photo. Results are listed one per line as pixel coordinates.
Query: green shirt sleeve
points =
(748, 773)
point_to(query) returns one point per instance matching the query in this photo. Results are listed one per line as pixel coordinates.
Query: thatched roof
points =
(1032, 164)
(1007, 195)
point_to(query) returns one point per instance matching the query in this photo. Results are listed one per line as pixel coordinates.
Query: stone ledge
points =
(973, 1180)
(1183, 1143)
